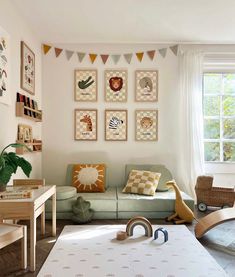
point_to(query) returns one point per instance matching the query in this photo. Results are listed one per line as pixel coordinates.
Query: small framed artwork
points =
(25, 133)
(115, 85)
(146, 125)
(85, 124)
(5, 96)
(85, 85)
(27, 69)
(146, 85)
(116, 122)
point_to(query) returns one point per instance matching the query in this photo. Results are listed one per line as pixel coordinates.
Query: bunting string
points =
(151, 54)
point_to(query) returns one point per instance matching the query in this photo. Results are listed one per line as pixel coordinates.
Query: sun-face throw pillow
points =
(89, 177)
(142, 182)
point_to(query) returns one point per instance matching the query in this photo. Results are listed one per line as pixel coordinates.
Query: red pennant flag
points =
(58, 52)
(140, 56)
(104, 58)
(92, 57)
(151, 54)
(46, 48)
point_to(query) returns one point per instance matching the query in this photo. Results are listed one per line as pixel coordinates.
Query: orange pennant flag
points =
(151, 54)
(92, 57)
(140, 56)
(46, 48)
(58, 52)
(104, 58)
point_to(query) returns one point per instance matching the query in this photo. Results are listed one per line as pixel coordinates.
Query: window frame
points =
(221, 117)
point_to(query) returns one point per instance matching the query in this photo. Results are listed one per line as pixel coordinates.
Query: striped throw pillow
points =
(142, 182)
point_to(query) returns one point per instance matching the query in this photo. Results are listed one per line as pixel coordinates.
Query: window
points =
(219, 117)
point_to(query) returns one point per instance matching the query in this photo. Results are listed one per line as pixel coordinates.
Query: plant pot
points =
(2, 187)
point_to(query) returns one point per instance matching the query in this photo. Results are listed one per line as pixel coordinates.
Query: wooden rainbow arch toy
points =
(142, 221)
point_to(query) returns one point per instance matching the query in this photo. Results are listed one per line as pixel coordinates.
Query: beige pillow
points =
(142, 182)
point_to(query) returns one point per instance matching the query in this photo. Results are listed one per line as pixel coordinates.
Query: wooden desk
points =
(30, 208)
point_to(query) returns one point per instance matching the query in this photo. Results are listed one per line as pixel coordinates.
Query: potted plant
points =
(9, 162)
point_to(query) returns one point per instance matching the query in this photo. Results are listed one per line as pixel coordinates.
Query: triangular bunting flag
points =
(92, 57)
(81, 56)
(46, 48)
(69, 54)
(115, 58)
(58, 52)
(104, 58)
(175, 49)
(140, 56)
(151, 54)
(128, 57)
(163, 52)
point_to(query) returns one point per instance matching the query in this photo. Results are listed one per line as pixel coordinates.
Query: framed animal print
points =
(27, 69)
(146, 125)
(85, 127)
(85, 85)
(4, 68)
(115, 85)
(116, 125)
(146, 85)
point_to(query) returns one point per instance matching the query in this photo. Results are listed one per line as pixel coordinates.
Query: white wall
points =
(19, 30)
(60, 148)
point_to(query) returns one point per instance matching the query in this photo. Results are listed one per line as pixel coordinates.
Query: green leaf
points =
(25, 166)
(5, 174)
(2, 162)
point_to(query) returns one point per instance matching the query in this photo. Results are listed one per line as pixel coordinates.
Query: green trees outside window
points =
(219, 117)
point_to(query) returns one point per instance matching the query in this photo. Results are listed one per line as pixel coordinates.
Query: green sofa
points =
(113, 204)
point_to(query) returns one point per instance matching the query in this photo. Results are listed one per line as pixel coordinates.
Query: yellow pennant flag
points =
(140, 56)
(92, 57)
(46, 48)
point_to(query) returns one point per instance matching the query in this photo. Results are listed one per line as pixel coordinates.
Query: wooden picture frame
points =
(27, 69)
(5, 94)
(85, 85)
(146, 85)
(116, 124)
(25, 133)
(85, 124)
(146, 125)
(116, 85)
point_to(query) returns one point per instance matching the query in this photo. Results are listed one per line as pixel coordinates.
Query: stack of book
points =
(16, 194)
(30, 103)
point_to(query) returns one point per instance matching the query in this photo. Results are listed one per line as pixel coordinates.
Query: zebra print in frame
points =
(116, 125)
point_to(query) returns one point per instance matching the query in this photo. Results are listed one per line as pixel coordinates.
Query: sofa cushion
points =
(65, 192)
(165, 173)
(89, 177)
(142, 182)
(161, 201)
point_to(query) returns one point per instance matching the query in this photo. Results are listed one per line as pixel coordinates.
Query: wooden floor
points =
(10, 255)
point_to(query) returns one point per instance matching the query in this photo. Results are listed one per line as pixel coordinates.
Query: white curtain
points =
(191, 119)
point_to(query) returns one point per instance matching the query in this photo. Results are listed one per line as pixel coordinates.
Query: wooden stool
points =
(10, 233)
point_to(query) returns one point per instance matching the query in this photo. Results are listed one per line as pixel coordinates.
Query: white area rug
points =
(93, 251)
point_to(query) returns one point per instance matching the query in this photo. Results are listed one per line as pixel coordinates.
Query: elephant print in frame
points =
(115, 85)
(85, 85)
(146, 125)
(85, 124)
(27, 69)
(146, 85)
(116, 125)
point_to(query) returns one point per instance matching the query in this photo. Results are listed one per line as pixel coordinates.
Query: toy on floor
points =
(164, 231)
(139, 220)
(183, 214)
(82, 211)
(212, 196)
(213, 219)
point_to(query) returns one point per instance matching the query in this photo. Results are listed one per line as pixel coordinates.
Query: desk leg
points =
(32, 242)
(54, 215)
(43, 221)
(24, 248)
